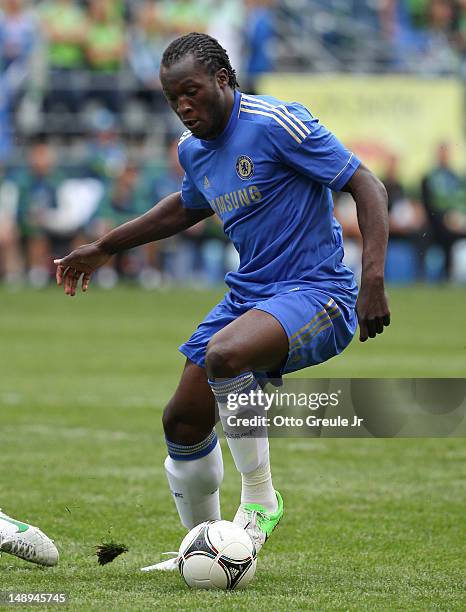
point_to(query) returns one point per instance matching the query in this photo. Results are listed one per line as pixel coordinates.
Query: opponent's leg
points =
(194, 464)
(254, 342)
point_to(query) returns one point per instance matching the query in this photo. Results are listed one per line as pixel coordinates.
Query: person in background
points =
(407, 220)
(217, 254)
(182, 16)
(444, 198)
(105, 155)
(38, 184)
(460, 34)
(19, 38)
(11, 267)
(147, 39)
(105, 48)
(6, 136)
(125, 198)
(64, 26)
(406, 215)
(346, 215)
(421, 35)
(441, 57)
(18, 35)
(200, 255)
(259, 34)
(226, 20)
(180, 256)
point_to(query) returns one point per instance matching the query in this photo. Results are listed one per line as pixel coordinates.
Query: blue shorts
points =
(317, 325)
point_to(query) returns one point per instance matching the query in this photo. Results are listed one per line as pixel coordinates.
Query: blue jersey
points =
(269, 177)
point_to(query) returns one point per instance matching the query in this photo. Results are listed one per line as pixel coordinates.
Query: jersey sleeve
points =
(190, 194)
(303, 143)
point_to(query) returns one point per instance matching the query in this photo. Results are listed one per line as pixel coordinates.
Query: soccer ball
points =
(217, 555)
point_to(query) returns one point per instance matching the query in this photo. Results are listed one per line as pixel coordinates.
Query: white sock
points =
(194, 475)
(250, 453)
(257, 488)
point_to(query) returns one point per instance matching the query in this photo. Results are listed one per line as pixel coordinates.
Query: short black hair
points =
(205, 49)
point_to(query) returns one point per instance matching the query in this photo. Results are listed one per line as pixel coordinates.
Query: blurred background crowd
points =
(88, 142)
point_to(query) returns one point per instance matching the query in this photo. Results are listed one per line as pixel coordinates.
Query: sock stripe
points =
(182, 452)
(243, 383)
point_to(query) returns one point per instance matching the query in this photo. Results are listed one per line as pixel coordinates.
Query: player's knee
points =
(178, 428)
(222, 360)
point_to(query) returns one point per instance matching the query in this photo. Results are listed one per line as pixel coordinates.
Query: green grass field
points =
(371, 524)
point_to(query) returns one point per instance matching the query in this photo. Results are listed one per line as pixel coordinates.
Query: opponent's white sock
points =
(194, 475)
(249, 446)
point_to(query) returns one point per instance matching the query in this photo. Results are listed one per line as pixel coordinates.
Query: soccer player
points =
(266, 168)
(26, 542)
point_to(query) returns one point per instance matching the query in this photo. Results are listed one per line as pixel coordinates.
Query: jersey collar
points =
(216, 143)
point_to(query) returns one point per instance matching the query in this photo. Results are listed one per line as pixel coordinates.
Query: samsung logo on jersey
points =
(235, 199)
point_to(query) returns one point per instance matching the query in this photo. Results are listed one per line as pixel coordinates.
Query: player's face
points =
(202, 101)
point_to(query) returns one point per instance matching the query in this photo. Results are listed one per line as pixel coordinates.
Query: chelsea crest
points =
(244, 167)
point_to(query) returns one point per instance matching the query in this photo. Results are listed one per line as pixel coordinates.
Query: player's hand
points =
(79, 264)
(372, 309)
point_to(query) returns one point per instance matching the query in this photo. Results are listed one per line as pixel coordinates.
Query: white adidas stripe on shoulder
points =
(279, 107)
(277, 112)
(184, 136)
(303, 125)
(291, 119)
(269, 114)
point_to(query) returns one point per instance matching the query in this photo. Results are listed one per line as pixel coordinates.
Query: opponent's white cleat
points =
(26, 542)
(164, 566)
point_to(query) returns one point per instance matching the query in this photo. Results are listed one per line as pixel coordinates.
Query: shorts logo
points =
(244, 167)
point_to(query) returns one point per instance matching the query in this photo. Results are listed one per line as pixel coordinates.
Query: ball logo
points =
(244, 167)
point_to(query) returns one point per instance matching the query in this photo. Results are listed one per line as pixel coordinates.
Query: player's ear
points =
(222, 77)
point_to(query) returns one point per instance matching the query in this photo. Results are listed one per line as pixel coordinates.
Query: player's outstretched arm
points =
(371, 202)
(165, 219)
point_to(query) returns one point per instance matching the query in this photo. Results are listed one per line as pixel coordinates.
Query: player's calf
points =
(194, 473)
(194, 466)
(181, 427)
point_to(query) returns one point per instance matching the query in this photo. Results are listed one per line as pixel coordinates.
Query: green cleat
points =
(259, 523)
